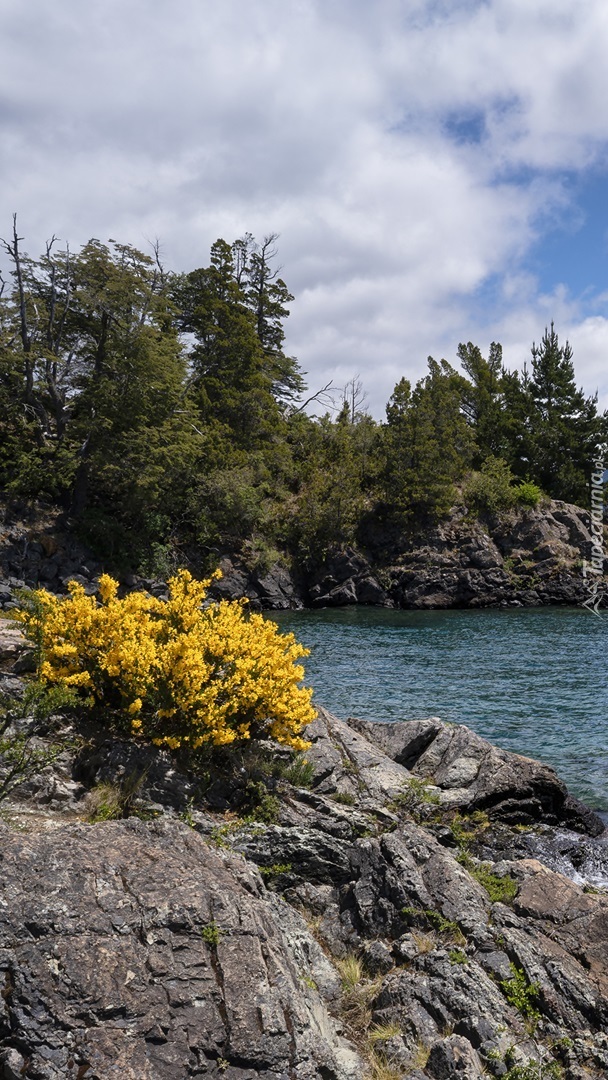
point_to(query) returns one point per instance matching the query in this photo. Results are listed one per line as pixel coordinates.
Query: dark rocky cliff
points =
(521, 558)
(403, 915)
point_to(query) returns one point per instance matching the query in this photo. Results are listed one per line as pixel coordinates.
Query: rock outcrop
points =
(522, 558)
(401, 915)
(138, 951)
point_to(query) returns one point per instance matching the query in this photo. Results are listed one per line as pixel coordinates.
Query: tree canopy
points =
(153, 406)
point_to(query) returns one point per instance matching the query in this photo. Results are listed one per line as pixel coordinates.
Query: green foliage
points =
(532, 1069)
(275, 870)
(521, 994)
(482, 400)
(416, 799)
(22, 753)
(492, 488)
(331, 495)
(428, 445)
(457, 956)
(300, 772)
(163, 411)
(264, 807)
(528, 493)
(429, 917)
(212, 934)
(466, 828)
(500, 889)
(220, 835)
(344, 797)
(187, 816)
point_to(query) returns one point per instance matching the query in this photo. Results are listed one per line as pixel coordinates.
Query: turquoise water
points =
(532, 681)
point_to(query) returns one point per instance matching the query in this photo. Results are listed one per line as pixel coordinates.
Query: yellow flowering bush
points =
(184, 674)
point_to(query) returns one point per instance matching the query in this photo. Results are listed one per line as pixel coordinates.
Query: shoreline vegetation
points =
(160, 419)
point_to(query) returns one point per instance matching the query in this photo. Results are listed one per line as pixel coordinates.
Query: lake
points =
(532, 681)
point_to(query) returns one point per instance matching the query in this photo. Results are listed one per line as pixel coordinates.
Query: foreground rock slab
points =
(135, 951)
(400, 916)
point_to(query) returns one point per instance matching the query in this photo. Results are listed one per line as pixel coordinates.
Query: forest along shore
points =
(522, 557)
(390, 902)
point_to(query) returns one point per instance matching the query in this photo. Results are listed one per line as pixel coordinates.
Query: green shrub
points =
(344, 797)
(528, 494)
(457, 956)
(22, 756)
(300, 772)
(501, 890)
(521, 994)
(415, 799)
(275, 869)
(212, 934)
(491, 488)
(266, 810)
(466, 828)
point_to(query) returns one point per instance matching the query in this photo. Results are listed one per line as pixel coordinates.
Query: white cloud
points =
(407, 153)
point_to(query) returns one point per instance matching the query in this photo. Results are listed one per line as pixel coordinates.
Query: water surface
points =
(533, 681)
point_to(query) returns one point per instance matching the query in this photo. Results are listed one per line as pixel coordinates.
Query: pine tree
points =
(565, 431)
(482, 402)
(428, 444)
(267, 296)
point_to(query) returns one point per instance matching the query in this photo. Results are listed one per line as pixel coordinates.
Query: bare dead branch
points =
(325, 396)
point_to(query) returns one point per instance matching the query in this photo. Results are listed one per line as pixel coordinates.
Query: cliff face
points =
(401, 916)
(524, 558)
(529, 557)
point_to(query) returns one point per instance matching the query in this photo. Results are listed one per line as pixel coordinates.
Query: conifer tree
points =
(565, 431)
(428, 443)
(482, 400)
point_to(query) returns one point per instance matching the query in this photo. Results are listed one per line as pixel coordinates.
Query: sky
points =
(437, 170)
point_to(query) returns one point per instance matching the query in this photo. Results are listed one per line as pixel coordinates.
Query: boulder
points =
(273, 589)
(475, 775)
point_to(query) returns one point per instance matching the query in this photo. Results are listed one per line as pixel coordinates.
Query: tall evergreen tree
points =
(93, 375)
(230, 382)
(267, 296)
(428, 443)
(482, 400)
(565, 431)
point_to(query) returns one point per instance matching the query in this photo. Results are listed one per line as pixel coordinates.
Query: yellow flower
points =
(186, 674)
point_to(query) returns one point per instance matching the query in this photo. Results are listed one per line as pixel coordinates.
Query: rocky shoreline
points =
(524, 558)
(390, 907)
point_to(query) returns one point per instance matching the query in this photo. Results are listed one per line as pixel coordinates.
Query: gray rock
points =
(194, 972)
(345, 761)
(13, 1065)
(199, 966)
(478, 776)
(453, 1057)
(273, 589)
